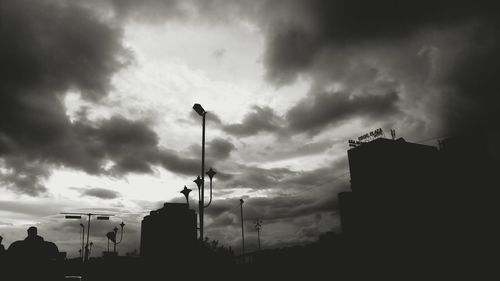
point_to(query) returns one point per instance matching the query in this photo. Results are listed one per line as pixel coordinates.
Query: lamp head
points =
(198, 181)
(211, 173)
(186, 192)
(111, 236)
(199, 109)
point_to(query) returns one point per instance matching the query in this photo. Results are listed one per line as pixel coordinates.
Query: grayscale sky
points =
(96, 105)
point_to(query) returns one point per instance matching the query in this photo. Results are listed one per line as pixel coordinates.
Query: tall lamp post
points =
(200, 182)
(199, 109)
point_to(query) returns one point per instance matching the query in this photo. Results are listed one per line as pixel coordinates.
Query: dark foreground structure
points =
(169, 232)
(416, 211)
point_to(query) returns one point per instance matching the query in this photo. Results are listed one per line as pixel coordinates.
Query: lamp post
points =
(186, 192)
(199, 109)
(89, 249)
(83, 239)
(242, 232)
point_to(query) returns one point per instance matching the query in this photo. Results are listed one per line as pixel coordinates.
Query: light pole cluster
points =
(112, 236)
(257, 224)
(88, 246)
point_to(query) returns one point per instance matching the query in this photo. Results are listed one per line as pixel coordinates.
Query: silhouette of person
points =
(36, 255)
(2, 248)
(33, 235)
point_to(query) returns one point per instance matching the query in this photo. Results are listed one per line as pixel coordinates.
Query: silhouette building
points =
(391, 180)
(169, 232)
(419, 208)
(390, 213)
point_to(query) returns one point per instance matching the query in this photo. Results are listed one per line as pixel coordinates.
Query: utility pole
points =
(242, 231)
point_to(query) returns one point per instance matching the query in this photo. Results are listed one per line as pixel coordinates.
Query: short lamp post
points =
(186, 192)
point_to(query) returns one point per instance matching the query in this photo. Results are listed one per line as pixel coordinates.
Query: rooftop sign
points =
(366, 137)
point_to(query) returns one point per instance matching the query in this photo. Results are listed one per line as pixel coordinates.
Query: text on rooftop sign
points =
(366, 137)
(371, 135)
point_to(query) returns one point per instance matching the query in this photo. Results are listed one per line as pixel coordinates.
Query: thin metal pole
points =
(258, 237)
(242, 232)
(83, 242)
(88, 235)
(202, 199)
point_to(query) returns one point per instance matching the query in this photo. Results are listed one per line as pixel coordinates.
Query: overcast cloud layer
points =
(427, 69)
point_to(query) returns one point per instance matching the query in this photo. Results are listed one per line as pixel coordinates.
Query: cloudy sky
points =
(96, 105)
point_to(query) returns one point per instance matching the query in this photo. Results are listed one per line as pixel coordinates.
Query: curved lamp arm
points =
(211, 173)
(121, 235)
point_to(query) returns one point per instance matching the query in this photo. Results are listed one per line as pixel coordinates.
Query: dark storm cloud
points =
(49, 48)
(287, 180)
(220, 148)
(170, 160)
(317, 111)
(322, 39)
(217, 149)
(149, 10)
(261, 119)
(271, 209)
(473, 79)
(211, 118)
(258, 178)
(101, 193)
(314, 26)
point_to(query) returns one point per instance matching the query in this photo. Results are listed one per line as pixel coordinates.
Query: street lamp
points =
(186, 192)
(199, 109)
(242, 232)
